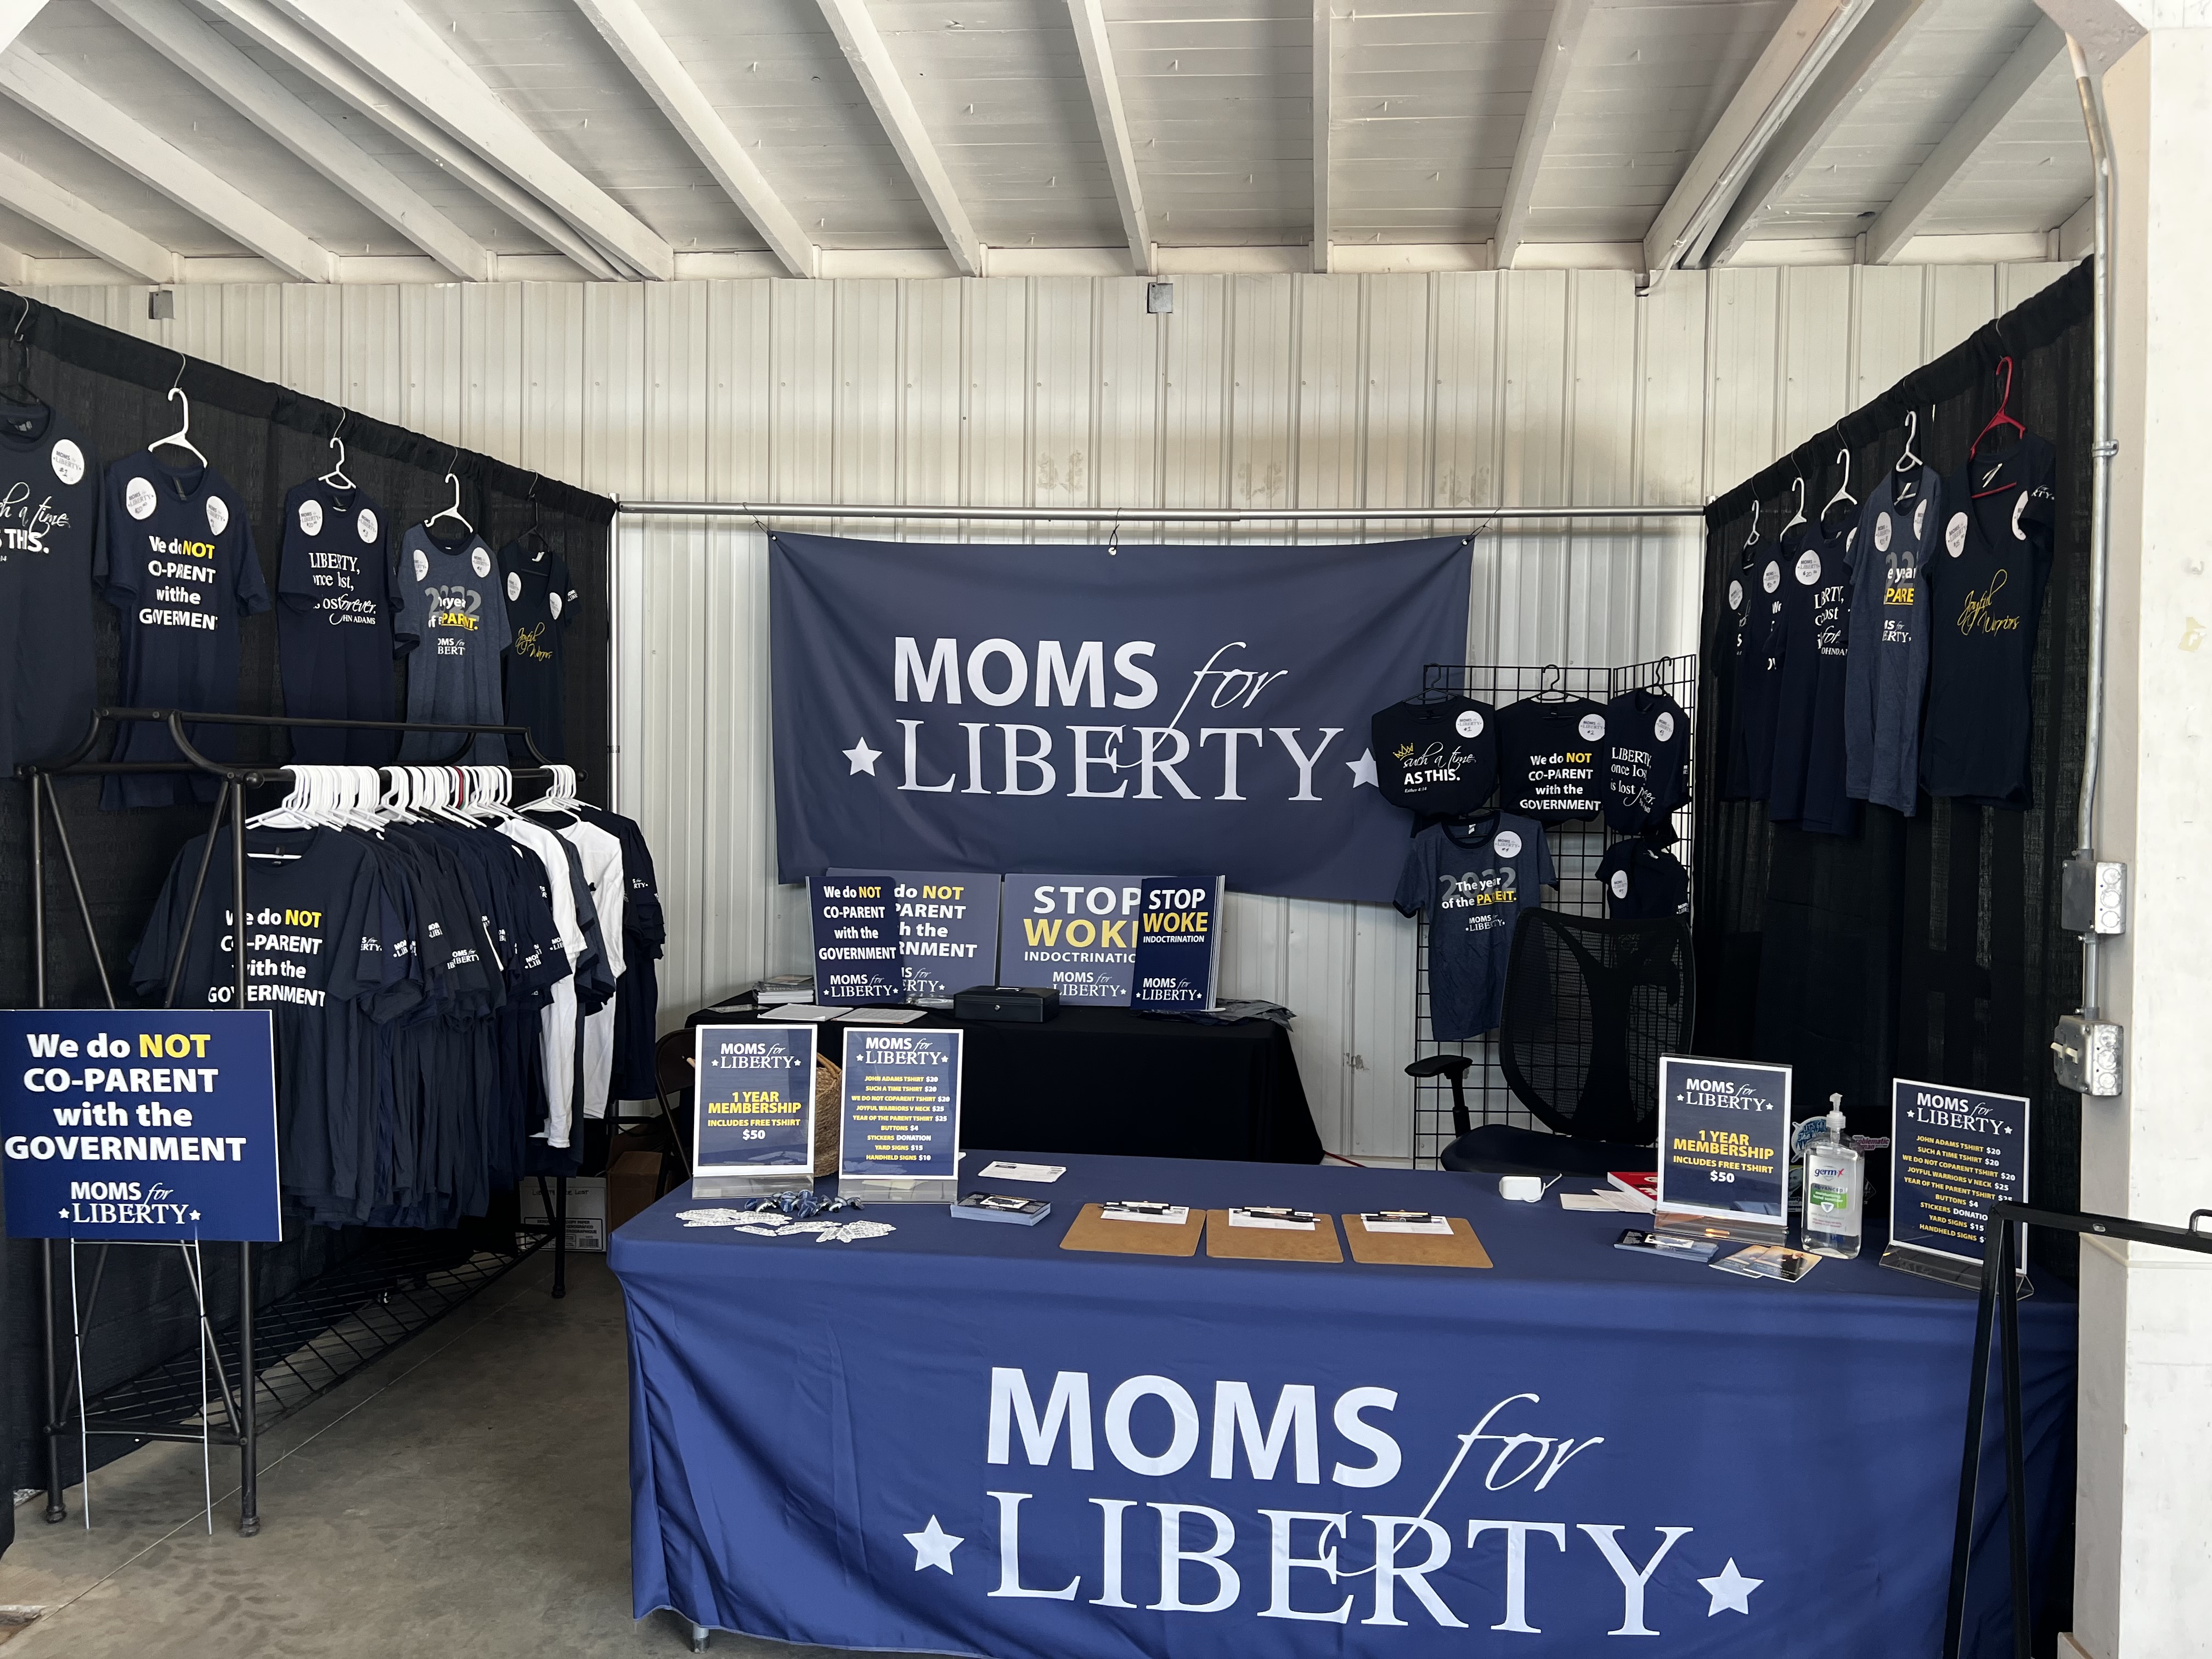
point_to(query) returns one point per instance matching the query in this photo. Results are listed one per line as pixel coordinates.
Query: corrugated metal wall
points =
(1528, 387)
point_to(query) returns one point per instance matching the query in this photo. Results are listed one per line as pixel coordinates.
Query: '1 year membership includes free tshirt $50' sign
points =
(143, 1127)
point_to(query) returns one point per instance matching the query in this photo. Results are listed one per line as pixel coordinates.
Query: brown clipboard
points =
(1271, 1244)
(1090, 1230)
(1461, 1249)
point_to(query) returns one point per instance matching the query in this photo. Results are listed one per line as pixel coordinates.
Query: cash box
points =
(1025, 1005)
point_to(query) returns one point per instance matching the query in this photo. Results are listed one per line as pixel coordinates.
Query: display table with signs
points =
(961, 1437)
(1110, 1080)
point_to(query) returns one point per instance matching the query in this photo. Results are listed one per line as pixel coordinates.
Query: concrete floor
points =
(468, 1494)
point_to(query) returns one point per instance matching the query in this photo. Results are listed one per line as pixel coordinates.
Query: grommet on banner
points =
(1113, 537)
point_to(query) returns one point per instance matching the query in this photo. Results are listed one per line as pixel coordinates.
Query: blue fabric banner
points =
(1078, 707)
(963, 1439)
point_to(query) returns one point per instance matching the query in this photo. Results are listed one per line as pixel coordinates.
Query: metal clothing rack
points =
(159, 1402)
(1577, 850)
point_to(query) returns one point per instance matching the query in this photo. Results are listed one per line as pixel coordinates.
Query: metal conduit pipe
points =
(2102, 451)
(787, 510)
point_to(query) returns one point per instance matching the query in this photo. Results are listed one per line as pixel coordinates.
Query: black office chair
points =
(1590, 1005)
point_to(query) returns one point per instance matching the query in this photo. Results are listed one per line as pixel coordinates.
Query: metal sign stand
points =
(239, 1400)
(1999, 1263)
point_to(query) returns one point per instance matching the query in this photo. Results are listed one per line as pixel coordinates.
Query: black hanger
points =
(19, 389)
(534, 538)
(1552, 685)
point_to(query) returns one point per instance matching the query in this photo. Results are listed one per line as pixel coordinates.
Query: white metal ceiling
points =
(386, 139)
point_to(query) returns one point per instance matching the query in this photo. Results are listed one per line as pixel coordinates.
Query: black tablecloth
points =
(1111, 1081)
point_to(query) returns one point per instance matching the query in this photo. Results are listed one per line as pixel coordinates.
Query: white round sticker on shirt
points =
(69, 461)
(138, 499)
(1592, 726)
(480, 561)
(1468, 725)
(218, 515)
(1735, 596)
(1954, 534)
(514, 586)
(1508, 844)
(1808, 566)
(1882, 533)
(1920, 521)
(553, 601)
(1663, 727)
(2018, 506)
(365, 525)
(1771, 578)
(421, 565)
(1620, 884)
(311, 517)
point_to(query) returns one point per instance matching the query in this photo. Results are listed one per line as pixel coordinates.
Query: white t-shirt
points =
(601, 855)
(556, 1033)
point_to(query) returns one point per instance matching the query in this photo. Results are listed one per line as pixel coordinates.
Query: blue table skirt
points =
(856, 1444)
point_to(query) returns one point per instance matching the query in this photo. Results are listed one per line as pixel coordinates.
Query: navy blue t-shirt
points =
(1475, 880)
(1755, 594)
(49, 518)
(176, 561)
(540, 599)
(1643, 880)
(334, 625)
(1808, 782)
(1647, 740)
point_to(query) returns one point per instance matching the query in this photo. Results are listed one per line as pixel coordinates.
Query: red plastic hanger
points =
(2003, 417)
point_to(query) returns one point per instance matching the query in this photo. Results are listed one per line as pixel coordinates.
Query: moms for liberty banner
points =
(1070, 708)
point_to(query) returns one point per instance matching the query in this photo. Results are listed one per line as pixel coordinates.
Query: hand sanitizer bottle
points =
(1835, 1185)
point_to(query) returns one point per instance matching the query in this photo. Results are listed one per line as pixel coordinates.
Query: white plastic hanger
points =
(1844, 489)
(1800, 516)
(335, 477)
(182, 437)
(452, 512)
(292, 812)
(1909, 462)
(559, 794)
(1751, 540)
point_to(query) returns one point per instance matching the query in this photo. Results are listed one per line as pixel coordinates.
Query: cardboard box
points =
(587, 1210)
(633, 1184)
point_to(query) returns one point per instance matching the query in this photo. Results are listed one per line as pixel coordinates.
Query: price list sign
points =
(1723, 1148)
(902, 1100)
(1954, 1153)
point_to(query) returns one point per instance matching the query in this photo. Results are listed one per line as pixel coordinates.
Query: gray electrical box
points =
(2093, 897)
(2085, 1054)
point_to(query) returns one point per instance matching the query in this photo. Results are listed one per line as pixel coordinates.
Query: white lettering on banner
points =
(1028, 766)
(917, 680)
(1052, 670)
(1412, 1566)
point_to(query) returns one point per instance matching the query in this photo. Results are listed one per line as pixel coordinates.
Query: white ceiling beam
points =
(13, 14)
(1901, 220)
(1560, 41)
(106, 130)
(648, 55)
(260, 23)
(180, 35)
(1324, 114)
(1089, 17)
(1808, 37)
(389, 40)
(862, 43)
(1873, 48)
(69, 216)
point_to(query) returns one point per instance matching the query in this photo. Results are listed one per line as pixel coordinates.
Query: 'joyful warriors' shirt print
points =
(1474, 880)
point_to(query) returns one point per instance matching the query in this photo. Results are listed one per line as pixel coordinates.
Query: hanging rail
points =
(242, 1428)
(766, 510)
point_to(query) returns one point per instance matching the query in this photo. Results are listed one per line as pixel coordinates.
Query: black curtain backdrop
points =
(1929, 946)
(263, 438)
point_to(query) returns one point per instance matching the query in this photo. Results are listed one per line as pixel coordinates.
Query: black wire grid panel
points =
(1577, 849)
(308, 1342)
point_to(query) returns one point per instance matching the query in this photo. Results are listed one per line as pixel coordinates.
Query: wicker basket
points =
(829, 1105)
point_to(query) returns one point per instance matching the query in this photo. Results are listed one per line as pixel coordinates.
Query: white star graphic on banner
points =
(933, 1548)
(195, 1215)
(1730, 1590)
(63, 1214)
(1363, 769)
(863, 758)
